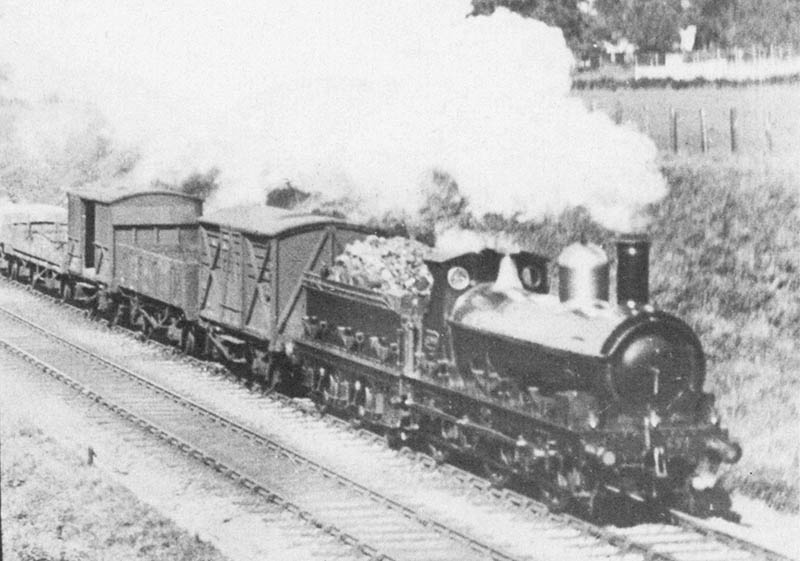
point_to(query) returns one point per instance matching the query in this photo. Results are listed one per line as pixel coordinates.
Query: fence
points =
(720, 129)
(734, 133)
(736, 65)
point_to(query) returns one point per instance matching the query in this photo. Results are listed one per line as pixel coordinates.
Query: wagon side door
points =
(257, 278)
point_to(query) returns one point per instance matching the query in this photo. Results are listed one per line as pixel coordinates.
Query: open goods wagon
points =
(32, 241)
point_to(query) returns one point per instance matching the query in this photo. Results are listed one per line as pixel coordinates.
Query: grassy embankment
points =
(726, 258)
(57, 508)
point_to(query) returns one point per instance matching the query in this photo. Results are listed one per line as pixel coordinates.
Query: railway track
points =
(689, 541)
(372, 523)
(241, 525)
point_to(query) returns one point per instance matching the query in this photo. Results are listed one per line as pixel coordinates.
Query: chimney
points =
(633, 270)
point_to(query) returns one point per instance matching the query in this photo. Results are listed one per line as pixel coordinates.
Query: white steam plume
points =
(456, 240)
(358, 98)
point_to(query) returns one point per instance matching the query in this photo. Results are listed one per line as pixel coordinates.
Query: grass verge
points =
(55, 507)
(726, 257)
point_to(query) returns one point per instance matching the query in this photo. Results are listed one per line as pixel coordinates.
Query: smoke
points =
(455, 240)
(360, 99)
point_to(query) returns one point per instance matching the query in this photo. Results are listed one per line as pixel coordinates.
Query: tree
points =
(564, 14)
(286, 196)
(765, 22)
(201, 184)
(716, 22)
(652, 25)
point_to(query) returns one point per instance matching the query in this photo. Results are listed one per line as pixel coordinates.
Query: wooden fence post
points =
(768, 132)
(703, 132)
(673, 117)
(619, 113)
(734, 139)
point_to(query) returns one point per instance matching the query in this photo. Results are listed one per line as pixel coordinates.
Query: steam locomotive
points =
(568, 397)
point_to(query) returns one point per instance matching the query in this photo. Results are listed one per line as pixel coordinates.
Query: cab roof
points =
(267, 221)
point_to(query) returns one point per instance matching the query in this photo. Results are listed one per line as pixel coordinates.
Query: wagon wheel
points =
(189, 342)
(141, 324)
(94, 312)
(31, 276)
(247, 371)
(119, 316)
(147, 329)
(210, 350)
(66, 291)
(263, 367)
(13, 271)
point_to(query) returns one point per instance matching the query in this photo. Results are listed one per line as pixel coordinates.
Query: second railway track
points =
(377, 524)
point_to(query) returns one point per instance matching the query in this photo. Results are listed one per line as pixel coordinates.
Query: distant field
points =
(649, 110)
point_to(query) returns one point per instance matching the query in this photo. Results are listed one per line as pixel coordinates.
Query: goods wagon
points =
(136, 253)
(32, 241)
(253, 260)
